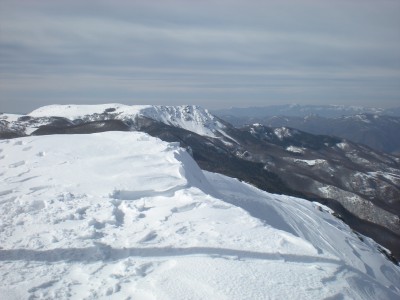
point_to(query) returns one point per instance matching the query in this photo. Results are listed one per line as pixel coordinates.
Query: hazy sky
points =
(210, 52)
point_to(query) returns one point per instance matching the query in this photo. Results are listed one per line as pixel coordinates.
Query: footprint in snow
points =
(42, 286)
(41, 154)
(145, 269)
(149, 237)
(182, 230)
(27, 179)
(6, 192)
(36, 205)
(113, 289)
(81, 212)
(11, 199)
(38, 188)
(185, 207)
(27, 148)
(17, 164)
(96, 224)
(143, 208)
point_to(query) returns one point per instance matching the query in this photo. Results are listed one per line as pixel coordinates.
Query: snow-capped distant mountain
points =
(124, 215)
(297, 110)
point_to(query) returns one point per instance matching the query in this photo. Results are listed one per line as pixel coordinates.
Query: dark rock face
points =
(360, 184)
(8, 133)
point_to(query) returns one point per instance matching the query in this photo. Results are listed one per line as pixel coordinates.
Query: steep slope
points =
(366, 183)
(116, 215)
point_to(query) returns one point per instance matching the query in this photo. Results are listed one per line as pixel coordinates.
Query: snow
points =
(189, 117)
(356, 203)
(343, 146)
(283, 132)
(9, 117)
(295, 149)
(394, 178)
(224, 134)
(122, 215)
(310, 162)
(78, 111)
(359, 117)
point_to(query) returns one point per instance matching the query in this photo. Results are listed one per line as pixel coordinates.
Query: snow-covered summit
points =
(120, 215)
(189, 117)
(73, 111)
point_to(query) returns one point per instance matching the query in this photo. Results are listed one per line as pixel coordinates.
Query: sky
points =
(216, 54)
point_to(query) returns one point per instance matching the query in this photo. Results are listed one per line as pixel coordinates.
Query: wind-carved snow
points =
(122, 215)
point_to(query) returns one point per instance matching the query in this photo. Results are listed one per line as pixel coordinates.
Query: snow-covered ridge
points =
(78, 111)
(122, 214)
(189, 117)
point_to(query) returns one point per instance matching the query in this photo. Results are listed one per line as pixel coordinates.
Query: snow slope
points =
(189, 117)
(122, 215)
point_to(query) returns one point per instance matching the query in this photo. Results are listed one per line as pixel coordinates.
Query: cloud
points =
(204, 52)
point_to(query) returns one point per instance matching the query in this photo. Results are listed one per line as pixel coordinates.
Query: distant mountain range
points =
(376, 128)
(362, 185)
(297, 110)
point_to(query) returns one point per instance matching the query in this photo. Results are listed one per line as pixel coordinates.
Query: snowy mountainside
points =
(376, 128)
(380, 132)
(192, 118)
(340, 170)
(122, 214)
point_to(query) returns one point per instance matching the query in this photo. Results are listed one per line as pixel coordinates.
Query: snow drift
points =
(122, 215)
